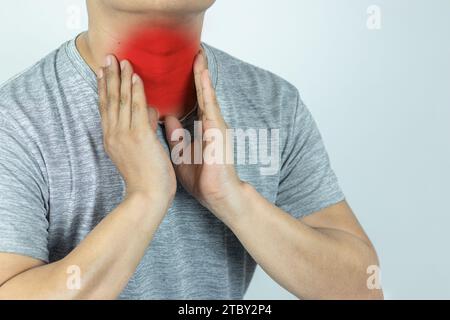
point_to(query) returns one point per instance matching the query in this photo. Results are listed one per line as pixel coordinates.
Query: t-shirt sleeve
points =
(23, 210)
(307, 182)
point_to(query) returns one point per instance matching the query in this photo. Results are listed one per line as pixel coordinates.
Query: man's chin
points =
(166, 8)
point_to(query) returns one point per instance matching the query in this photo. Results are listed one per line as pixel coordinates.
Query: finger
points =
(113, 89)
(176, 135)
(172, 124)
(102, 98)
(211, 106)
(139, 113)
(213, 113)
(199, 66)
(126, 72)
(153, 116)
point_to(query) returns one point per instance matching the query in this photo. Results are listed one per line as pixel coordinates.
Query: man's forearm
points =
(311, 263)
(106, 259)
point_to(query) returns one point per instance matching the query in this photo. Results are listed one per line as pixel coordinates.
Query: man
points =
(88, 189)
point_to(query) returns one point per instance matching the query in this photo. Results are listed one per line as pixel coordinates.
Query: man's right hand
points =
(108, 256)
(129, 133)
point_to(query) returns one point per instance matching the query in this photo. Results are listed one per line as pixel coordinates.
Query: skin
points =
(111, 22)
(322, 256)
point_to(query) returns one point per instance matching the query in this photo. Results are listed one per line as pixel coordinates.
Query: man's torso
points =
(53, 107)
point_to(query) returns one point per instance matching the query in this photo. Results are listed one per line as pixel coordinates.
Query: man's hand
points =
(129, 133)
(213, 183)
(131, 142)
(323, 256)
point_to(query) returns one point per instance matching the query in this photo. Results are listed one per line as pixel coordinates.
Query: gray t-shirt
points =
(57, 183)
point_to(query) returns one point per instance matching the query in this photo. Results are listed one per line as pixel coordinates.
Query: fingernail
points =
(100, 73)
(108, 61)
(134, 78)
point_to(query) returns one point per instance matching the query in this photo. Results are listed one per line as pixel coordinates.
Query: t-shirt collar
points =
(89, 75)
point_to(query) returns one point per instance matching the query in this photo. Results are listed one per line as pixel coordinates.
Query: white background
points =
(381, 99)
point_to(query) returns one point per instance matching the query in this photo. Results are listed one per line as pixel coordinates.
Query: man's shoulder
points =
(28, 92)
(246, 77)
(31, 80)
(260, 97)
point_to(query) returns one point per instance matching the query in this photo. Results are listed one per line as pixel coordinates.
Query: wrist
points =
(150, 198)
(142, 210)
(233, 207)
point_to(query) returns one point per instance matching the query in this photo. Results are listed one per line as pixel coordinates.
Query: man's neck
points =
(162, 51)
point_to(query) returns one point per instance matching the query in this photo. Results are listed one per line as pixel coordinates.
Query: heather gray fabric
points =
(57, 183)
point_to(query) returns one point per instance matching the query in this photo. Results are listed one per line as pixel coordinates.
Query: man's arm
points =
(106, 259)
(323, 256)
(109, 255)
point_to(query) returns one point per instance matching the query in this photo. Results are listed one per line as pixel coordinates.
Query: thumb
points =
(211, 105)
(153, 116)
(174, 131)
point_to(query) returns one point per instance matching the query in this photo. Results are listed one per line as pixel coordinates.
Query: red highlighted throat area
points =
(164, 59)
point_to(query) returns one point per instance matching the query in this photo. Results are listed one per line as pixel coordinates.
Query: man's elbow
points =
(368, 268)
(363, 280)
(375, 294)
